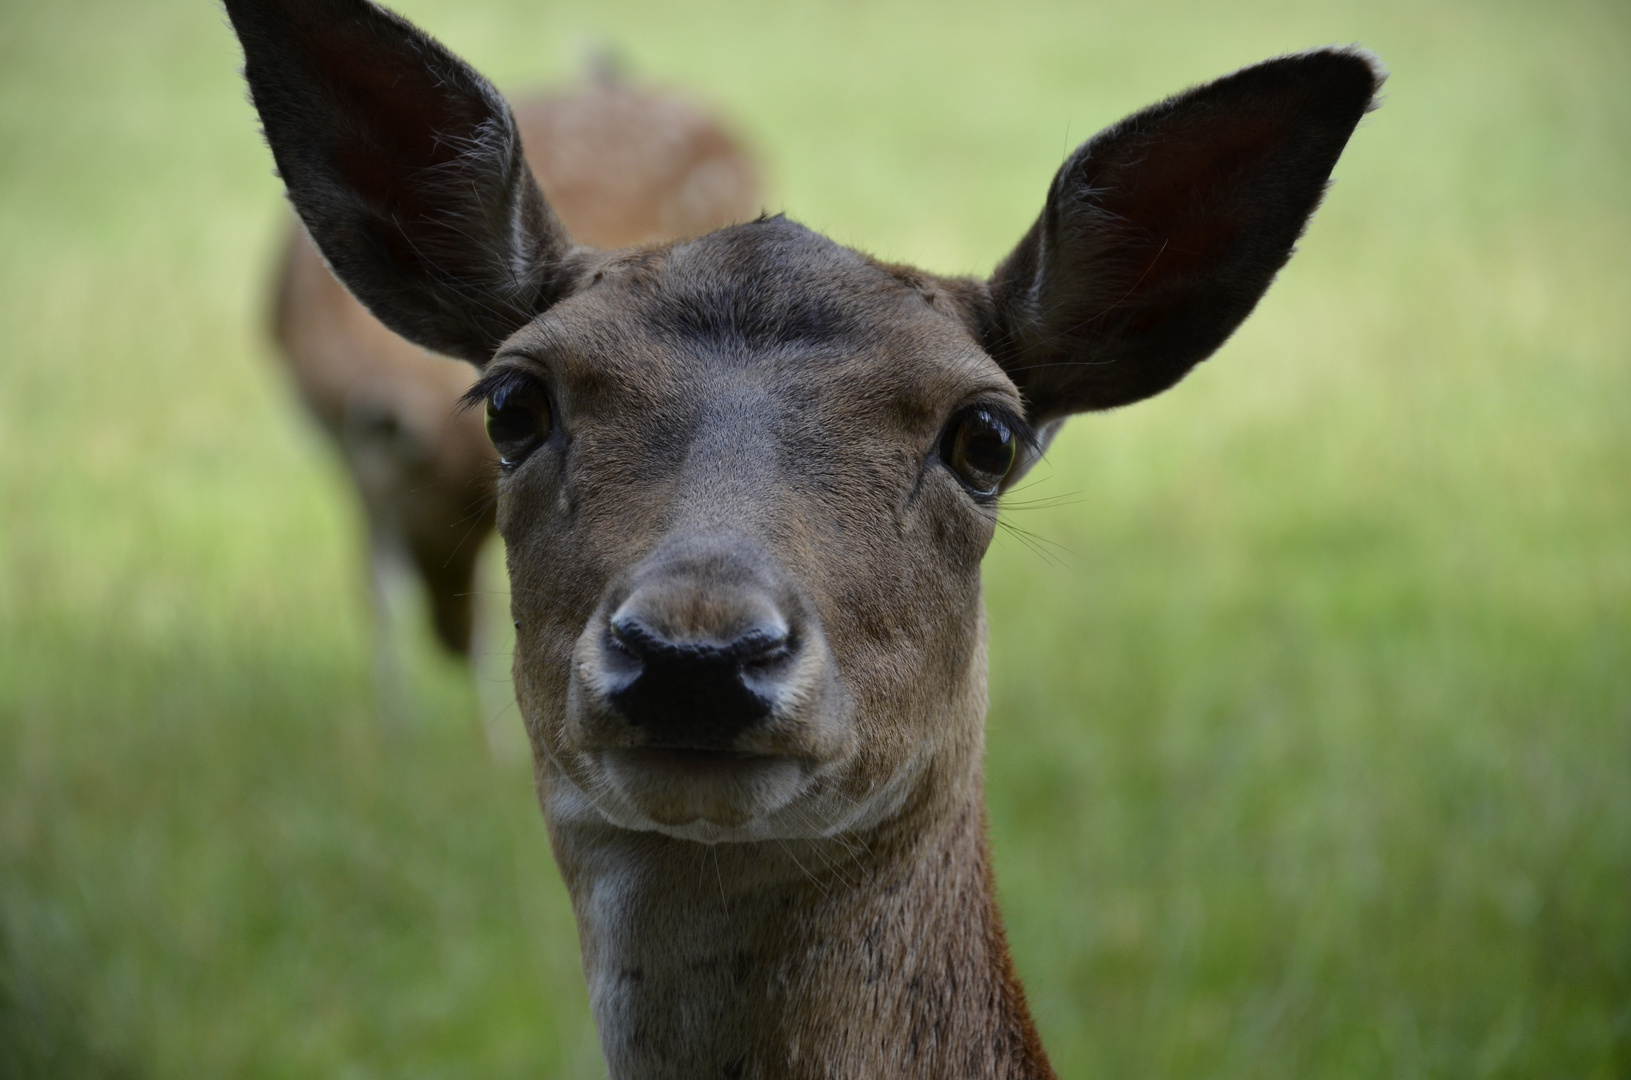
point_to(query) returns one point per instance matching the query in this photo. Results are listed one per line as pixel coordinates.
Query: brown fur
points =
(621, 166)
(744, 523)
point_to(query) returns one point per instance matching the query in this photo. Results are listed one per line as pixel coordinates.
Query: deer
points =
(747, 481)
(622, 165)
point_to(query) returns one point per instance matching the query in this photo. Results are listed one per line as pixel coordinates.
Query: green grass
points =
(1310, 743)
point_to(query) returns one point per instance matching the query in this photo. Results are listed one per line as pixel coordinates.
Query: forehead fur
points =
(762, 286)
(766, 286)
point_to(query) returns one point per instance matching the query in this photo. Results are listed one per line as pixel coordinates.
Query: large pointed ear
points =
(407, 169)
(1161, 233)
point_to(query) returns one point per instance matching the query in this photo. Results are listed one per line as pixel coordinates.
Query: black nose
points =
(696, 694)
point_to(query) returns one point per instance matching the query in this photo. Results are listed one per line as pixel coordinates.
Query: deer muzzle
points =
(703, 687)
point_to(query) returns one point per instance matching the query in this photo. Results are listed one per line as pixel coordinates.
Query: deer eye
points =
(980, 447)
(518, 420)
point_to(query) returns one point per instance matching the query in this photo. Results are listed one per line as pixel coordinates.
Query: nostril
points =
(632, 638)
(761, 647)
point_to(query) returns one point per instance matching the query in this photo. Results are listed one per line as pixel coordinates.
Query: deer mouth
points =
(688, 760)
(682, 786)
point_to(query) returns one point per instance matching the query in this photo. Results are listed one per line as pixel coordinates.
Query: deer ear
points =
(1161, 233)
(407, 169)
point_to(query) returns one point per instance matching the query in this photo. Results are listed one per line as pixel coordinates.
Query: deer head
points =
(748, 479)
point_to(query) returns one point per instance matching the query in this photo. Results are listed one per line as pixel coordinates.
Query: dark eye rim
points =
(1000, 414)
(501, 386)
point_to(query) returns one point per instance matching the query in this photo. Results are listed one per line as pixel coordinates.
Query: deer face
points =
(771, 466)
(748, 479)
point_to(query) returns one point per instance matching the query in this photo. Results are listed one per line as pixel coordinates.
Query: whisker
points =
(813, 879)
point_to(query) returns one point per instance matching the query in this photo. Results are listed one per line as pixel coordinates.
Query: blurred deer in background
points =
(622, 166)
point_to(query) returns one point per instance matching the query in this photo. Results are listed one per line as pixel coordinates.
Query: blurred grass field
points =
(1310, 740)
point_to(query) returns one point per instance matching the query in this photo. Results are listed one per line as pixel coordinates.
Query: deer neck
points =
(878, 954)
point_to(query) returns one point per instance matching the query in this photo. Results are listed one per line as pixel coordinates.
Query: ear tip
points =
(1378, 72)
(1351, 72)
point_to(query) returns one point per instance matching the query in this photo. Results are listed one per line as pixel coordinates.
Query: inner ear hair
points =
(1162, 232)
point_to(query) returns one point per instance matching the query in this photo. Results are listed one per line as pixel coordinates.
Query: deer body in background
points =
(622, 166)
(748, 480)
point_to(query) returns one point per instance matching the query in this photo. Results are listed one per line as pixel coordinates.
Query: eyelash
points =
(498, 382)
